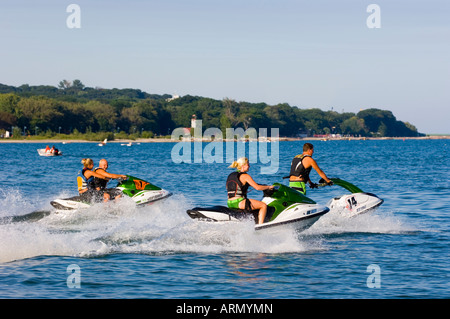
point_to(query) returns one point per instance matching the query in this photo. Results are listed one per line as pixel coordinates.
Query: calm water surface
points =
(159, 252)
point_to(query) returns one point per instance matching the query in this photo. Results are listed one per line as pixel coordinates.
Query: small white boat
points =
(43, 152)
(103, 143)
(128, 144)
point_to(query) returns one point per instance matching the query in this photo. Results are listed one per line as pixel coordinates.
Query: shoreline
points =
(166, 140)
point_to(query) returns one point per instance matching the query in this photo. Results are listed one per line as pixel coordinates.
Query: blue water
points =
(159, 252)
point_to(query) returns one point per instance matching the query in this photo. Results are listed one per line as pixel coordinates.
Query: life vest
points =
(99, 182)
(297, 168)
(83, 182)
(235, 187)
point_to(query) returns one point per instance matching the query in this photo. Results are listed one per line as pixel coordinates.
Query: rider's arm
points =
(247, 178)
(109, 175)
(95, 174)
(318, 170)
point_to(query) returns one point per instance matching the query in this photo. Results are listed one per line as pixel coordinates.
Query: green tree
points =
(353, 126)
(224, 124)
(104, 116)
(77, 85)
(7, 120)
(9, 104)
(64, 84)
(72, 106)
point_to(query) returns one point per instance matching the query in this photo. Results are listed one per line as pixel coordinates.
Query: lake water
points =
(399, 251)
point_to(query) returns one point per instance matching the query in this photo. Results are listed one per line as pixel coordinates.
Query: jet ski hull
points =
(141, 199)
(72, 203)
(218, 214)
(355, 204)
(298, 216)
(149, 197)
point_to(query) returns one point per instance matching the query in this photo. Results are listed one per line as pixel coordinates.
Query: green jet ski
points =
(285, 206)
(140, 191)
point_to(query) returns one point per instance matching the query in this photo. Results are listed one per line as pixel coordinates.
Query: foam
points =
(164, 228)
(161, 228)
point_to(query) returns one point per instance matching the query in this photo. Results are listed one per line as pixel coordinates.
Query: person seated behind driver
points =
(237, 186)
(85, 181)
(100, 183)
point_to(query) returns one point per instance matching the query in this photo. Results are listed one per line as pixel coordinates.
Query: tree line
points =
(73, 108)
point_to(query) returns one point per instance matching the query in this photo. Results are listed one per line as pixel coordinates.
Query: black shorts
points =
(92, 196)
(113, 192)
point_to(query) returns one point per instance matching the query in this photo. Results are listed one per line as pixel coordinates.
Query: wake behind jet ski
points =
(356, 203)
(140, 191)
(285, 206)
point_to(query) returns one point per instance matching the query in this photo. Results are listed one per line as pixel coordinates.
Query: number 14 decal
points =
(351, 202)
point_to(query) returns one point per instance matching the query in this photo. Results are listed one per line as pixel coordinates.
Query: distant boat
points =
(103, 143)
(129, 144)
(42, 152)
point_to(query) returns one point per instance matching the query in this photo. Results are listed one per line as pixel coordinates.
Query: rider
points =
(237, 186)
(85, 180)
(100, 183)
(301, 167)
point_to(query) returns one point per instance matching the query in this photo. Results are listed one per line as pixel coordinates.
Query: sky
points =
(309, 54)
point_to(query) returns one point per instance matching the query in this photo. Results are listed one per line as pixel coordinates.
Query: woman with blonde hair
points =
(237, 186)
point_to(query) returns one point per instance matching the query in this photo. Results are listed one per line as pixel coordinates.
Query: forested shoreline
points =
(97, 113)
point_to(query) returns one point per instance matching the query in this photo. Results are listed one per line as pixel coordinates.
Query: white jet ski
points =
(140, 191)
(285, 206)
(356, 203)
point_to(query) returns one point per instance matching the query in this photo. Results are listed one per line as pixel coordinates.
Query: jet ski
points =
(285, 206)
(140, 191)
(356, 203)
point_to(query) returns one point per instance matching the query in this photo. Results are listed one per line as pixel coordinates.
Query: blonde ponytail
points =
(233, 165)
(87, 162)
(239, 163)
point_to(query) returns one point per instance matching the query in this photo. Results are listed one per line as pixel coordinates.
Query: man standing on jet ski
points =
(237, 186)
(301, 167)
(100, 183)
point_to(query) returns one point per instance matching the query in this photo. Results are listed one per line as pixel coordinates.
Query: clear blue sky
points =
(306, 53)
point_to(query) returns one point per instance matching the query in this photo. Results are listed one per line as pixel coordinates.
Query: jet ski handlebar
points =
(322, 183)
(120, 180)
